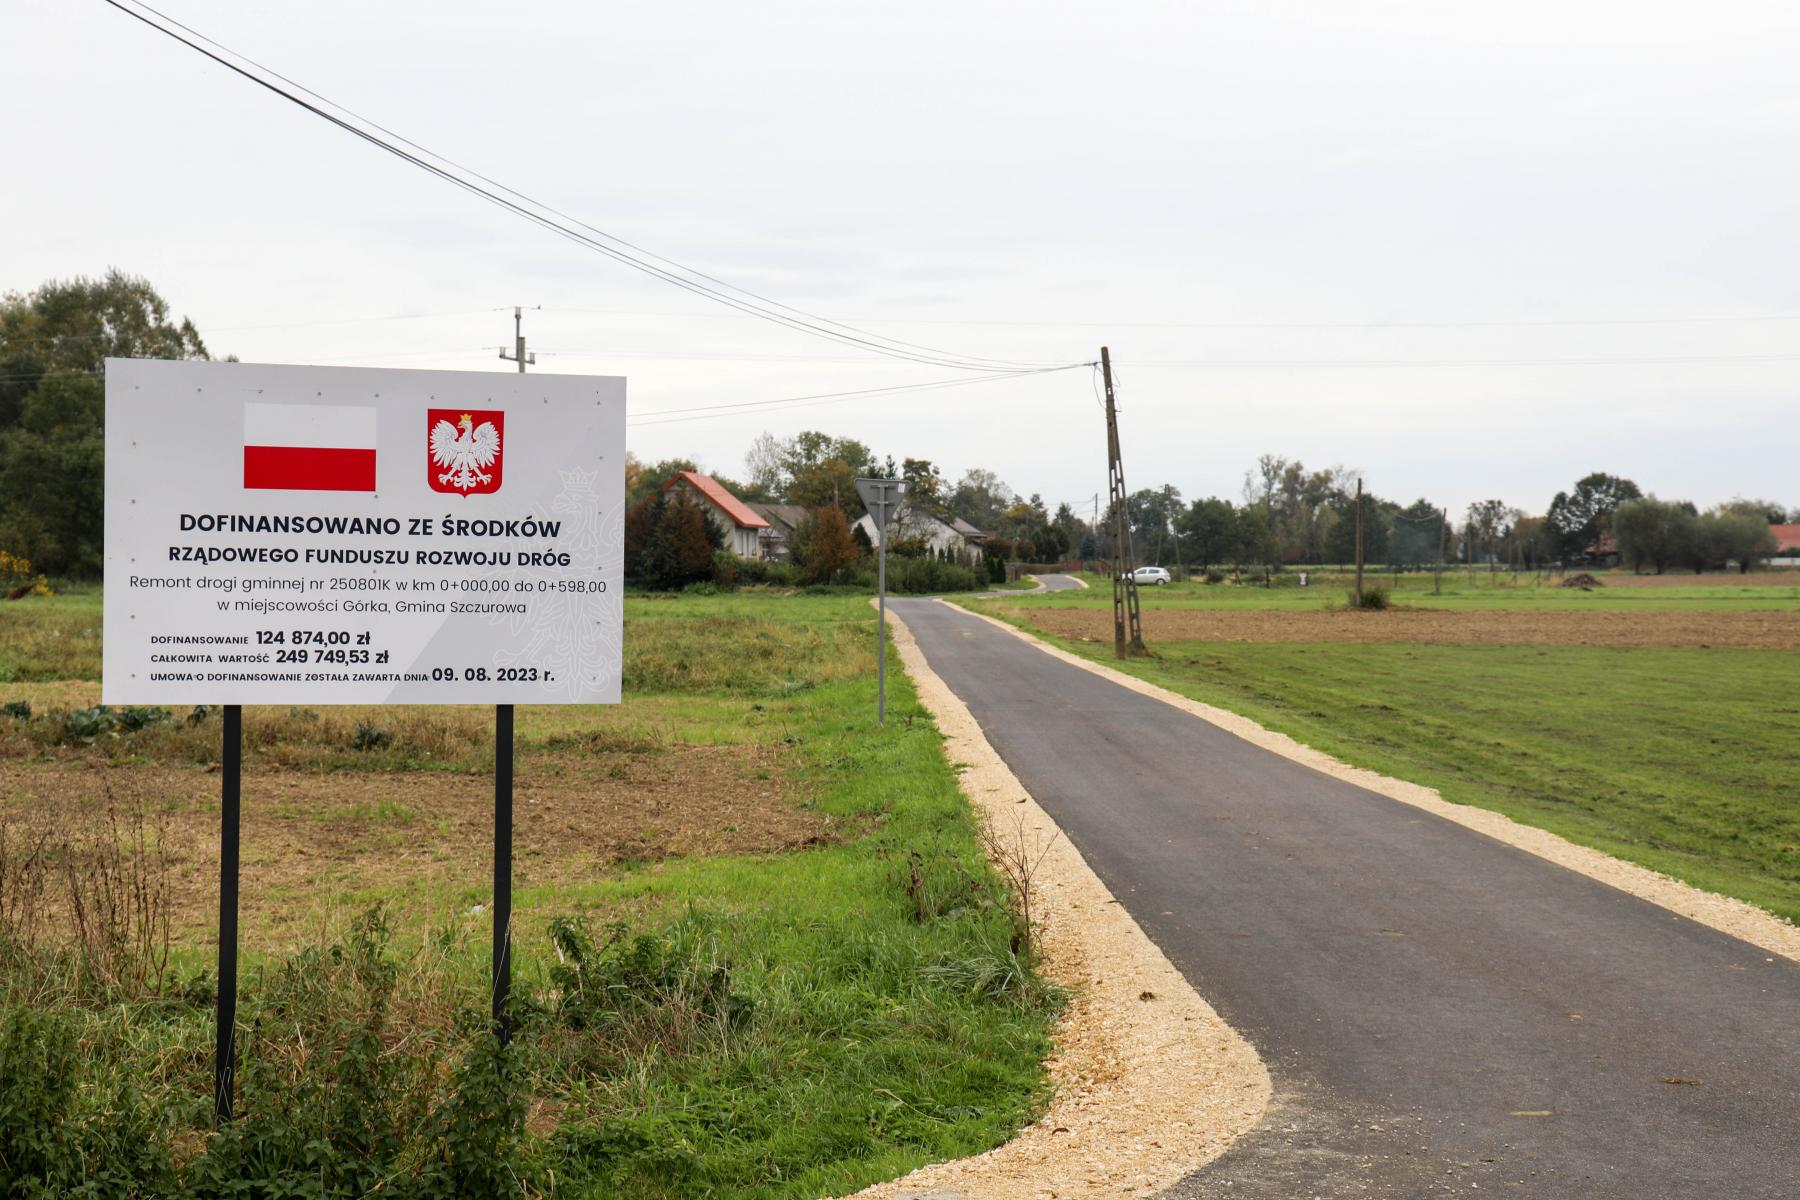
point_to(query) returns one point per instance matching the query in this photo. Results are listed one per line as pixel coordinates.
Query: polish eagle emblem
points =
(464, 455)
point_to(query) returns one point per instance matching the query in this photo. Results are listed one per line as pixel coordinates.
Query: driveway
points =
(1442, 1014)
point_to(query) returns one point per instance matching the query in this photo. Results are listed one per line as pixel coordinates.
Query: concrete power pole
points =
(1359, 540)
(1128, 627)
(518, 355)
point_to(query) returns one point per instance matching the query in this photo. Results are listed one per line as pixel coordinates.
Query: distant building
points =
(943, 538)
(1787, 540)
(776, 543)
(743, 527)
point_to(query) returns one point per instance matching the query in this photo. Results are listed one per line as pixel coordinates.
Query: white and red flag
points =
(309, 447)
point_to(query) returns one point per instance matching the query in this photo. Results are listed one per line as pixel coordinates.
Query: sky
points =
(1472, 249)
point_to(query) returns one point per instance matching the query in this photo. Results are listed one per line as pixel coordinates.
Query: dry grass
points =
(314, 843)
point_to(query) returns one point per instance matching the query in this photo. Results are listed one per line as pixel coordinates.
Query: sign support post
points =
(230, 780)
(882, 498)
(503, 820)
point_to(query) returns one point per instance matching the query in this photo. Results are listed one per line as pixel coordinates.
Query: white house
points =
(742, 527)
(943, 538)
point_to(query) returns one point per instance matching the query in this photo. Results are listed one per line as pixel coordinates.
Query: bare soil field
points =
(1752, 630)
(426, 836)
(1681, 579)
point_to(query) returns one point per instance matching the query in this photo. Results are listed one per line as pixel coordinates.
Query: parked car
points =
(1155, 575)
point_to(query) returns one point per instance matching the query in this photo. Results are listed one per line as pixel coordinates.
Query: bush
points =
(921, 577)
(1375, 597)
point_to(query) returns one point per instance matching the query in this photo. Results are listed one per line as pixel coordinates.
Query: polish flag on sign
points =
(309, 447)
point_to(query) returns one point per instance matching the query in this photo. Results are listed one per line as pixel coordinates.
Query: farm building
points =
(743, 528)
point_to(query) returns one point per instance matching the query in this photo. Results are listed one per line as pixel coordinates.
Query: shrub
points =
(921, 577)
(1374, 597)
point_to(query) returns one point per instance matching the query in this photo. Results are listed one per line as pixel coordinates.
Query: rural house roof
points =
(792, 516)
(969, 531)
(1785, 535)
(726, 503)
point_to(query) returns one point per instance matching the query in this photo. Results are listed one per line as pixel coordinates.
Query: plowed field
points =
(1748, 630)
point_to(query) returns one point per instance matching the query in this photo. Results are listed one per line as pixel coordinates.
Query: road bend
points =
(1442, 1014)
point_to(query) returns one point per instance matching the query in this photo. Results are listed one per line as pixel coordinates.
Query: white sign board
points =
(338, 535)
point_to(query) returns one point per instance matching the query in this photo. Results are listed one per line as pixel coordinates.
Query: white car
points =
(1155, 575)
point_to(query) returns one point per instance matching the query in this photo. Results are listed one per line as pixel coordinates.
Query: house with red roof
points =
(743, 528)
(1787, 540)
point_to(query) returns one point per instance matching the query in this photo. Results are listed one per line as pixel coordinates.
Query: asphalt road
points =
(1442, 1014)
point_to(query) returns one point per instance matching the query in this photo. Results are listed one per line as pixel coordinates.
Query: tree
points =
(53, 347)
(1654, 533)
(827, 547)
(813, 469)
(1578, 519)
(642, 481)
(1209, 532)
(1418, 532)
(1340, 538)
(1727, 536)
(671, 542)
(924, 486)
(980, 497)
(1770, 512)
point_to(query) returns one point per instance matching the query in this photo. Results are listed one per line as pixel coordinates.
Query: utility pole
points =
(500, 970)
(518, 355)
(1443, 532)
(1359, 554)
(1128, 626)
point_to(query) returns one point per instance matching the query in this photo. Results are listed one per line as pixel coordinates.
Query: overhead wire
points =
(668, 416)
(552, 220)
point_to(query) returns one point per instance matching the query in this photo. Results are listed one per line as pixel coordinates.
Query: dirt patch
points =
(311, 840)
(1757, 630)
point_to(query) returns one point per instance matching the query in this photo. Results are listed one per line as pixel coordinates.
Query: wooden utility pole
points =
(1128, 627)
(518, 355)
(1443, 532)
(1359, 543)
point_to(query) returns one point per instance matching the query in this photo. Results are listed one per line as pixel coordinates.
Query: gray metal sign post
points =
(882, 498)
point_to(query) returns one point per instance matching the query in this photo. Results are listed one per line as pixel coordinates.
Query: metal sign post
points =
(225, 996)
(882, 498)
(503, 836)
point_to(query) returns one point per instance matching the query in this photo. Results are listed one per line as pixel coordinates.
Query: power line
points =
(708, 411)
(1665, 360)
(1372, 325)
(552, 220)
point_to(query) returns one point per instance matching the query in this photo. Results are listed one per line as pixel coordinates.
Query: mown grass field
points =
(1618, 591)
(759, 952)
(1679, 758)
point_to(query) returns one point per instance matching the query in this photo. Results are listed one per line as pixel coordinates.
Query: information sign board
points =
(336, 535)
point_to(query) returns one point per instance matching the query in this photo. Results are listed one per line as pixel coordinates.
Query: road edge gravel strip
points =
(1738, 918)
(1151, 1084)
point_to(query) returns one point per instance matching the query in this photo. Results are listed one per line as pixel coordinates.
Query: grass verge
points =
(773, 1024)
(1680, 760)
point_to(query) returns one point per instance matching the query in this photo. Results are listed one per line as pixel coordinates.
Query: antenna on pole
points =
(518, 355)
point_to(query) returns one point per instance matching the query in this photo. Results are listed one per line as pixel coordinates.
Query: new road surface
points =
(1442, 1014)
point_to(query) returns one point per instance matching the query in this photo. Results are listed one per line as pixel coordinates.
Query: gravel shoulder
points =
(1150, 1081)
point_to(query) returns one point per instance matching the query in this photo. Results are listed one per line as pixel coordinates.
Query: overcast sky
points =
(1370, 233)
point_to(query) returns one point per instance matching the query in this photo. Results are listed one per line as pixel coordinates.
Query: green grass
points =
(1682, 760)
(1707, 592)
(885, 1024)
